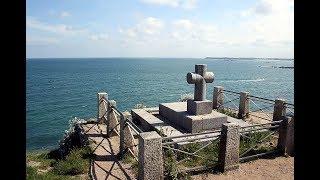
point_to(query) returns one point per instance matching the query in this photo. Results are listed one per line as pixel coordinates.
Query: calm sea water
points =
(61, 89)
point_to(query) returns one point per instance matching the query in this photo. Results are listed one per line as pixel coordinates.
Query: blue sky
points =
(160, 28)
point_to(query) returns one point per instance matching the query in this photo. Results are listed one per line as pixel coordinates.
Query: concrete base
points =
(177, 114)
(199, 107)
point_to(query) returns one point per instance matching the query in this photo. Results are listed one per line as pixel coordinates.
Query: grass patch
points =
(210, 153)
(228, 112)
(77, 162)
(171, 158)
(129, 159)
(32, 174)
(254, 139)
(74, 164)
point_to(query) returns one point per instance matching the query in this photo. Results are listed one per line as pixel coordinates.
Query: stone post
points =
(286, 136)
(101, 106)
(243, 105)
(121, 145)
(110, 116)
(217, 97)
(229, 147)
(279, 110)
(150, 156)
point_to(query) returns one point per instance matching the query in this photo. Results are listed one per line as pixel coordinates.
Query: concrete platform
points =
(177, 114)
(150, 122)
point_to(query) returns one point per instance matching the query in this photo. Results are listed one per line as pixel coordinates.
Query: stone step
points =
(150, 122)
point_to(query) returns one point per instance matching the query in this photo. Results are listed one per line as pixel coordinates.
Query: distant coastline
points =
(281, 67)
(251, 58)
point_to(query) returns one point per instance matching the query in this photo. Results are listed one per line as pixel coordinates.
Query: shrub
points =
(75, 163)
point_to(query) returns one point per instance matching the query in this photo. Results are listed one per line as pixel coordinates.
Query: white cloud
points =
(186, 30)
(65, 14)
(185, 4)
(37, 40)
(149, 26)
(33, 23)
(271, 21)
(268, 7)
(99, 37)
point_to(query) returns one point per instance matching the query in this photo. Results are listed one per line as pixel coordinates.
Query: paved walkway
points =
(106, 165)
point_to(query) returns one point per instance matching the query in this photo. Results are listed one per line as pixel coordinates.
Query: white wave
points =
(245, 80)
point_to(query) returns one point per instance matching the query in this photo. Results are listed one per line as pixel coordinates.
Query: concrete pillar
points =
(150, 156)
(243, 105)
(229, 147)
(217, 97)
(286, 136)
(279, 110)
(101, 106)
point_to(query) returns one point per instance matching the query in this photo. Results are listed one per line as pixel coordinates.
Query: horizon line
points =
(207, 57)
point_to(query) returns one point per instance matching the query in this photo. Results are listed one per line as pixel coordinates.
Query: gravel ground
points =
(278, 168)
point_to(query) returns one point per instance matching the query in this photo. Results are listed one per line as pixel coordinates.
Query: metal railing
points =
(230, 103)
(191, 152)
(128, 142)
(259, 108)
(259, 140)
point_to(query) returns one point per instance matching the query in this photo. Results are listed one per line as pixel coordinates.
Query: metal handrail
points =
(256, 97)
(188, 140)
(231, 91)
(256, 125)
(188, 135)
(257, 129)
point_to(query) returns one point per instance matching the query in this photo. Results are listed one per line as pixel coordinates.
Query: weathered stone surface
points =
(177, 114)
(199, 107)
(243, 105)
(113, 121)
(279, 111)
(150, 156)
(239, 122)
(218, 97)
(200, 77)
(286, 136)
(128, 139)
(229, 147)
(150, 122)
(102, 106)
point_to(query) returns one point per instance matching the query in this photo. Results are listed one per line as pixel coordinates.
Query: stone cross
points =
(200, 77)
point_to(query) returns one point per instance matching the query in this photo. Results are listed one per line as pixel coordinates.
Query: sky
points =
(159, 28)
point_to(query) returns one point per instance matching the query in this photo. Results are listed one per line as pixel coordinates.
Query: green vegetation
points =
(44, 166)
(129, 159)
(255, 140)
(173, 164)
(228, 112)
(173, 171)
(32, 174)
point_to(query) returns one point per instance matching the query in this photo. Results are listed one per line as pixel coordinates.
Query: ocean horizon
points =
(59, 89)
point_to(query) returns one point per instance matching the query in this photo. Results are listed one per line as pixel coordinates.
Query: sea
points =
(60, 89)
